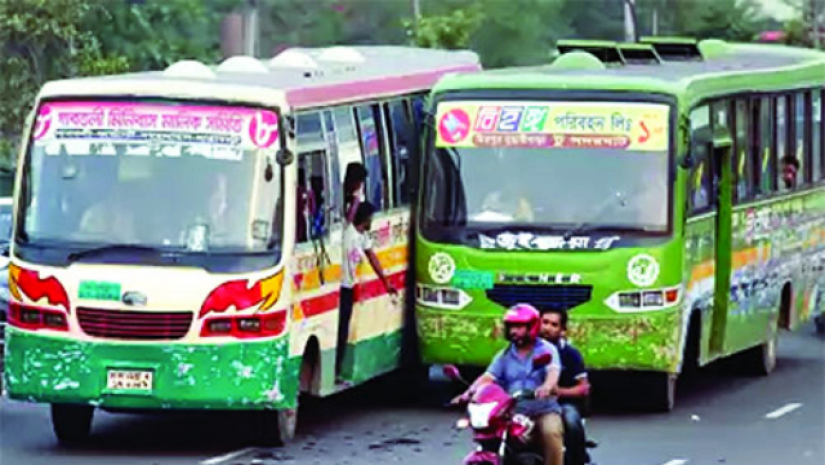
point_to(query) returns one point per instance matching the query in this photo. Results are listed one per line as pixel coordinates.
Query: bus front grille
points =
(557, 296)
(117, 324)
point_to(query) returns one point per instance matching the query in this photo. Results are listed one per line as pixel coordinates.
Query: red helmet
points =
(524, 314)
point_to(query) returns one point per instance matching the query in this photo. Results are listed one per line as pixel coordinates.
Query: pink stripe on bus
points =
(369, 88)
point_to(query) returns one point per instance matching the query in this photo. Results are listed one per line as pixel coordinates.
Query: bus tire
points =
(819, 323)
(761, 360)
(72, 424)
(278, 427)
(661, 393)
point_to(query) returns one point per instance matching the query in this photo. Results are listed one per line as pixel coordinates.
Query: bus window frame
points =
(595, 96)
(44, 255)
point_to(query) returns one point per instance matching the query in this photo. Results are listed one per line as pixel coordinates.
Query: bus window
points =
(766, 147)
(803, 137)
(349, 149)
(372, 147)
(817, 141)
(783, 136)
(700, 180)
(311, 218)
(336, 186)
(742, 161)
(401, 147)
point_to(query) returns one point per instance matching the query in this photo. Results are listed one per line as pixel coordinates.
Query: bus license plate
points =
(131, 380)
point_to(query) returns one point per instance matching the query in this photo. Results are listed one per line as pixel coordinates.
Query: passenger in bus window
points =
(790, 166)
(354, 180)
(357, 246)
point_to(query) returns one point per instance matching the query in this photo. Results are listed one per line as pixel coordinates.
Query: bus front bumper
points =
(648, 342)
(233, 376)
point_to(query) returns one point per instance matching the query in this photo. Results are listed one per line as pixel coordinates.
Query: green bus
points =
(647, 189)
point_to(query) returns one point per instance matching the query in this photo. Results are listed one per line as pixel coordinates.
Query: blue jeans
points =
(574, 436)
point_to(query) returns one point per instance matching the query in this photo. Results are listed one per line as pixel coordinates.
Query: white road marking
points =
(227, 457)
(783, 411)
(676, 462)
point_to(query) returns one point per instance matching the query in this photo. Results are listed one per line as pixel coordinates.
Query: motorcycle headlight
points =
(480, 414)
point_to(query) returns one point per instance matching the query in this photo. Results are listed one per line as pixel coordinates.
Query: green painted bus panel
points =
(472, 335)
(639, 342)
(372, 357)
(247, 375)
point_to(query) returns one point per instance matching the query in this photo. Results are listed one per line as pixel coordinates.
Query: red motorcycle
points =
(503, 437)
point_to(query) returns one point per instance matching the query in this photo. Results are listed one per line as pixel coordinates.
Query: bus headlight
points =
(442, 297)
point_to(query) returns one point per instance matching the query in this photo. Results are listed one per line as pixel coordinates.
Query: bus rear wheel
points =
(72, 424)
(277, 427)
(761, 360)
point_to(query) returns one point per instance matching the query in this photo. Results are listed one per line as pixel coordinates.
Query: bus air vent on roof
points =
(243, 64)
(189, 69)
(606, 51)
(674, 48)
(341, 55)
(578, 60)
(639, 54)
(293, 58)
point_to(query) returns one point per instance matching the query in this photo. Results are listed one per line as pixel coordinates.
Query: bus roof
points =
(296, 77)
(723, 68)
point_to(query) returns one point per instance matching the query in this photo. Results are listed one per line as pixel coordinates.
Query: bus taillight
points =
(35, 318)
(246, 326)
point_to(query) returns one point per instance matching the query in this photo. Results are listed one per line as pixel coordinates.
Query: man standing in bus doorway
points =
(790, 166)
(357, 246)
(573, 387)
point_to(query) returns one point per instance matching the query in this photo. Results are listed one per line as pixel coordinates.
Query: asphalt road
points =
(720, 418)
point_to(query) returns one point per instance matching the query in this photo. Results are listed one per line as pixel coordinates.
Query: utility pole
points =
(630, 20)
(655, 26)
(250, 28)
(416, 7)
(816, 17)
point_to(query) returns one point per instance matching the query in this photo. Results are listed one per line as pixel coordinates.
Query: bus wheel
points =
(661, 395)
(819, 322)
(72, 424)
(761, 359)
(278, 426)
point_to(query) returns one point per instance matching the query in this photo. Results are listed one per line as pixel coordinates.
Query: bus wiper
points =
(143, 249)
(588, 225)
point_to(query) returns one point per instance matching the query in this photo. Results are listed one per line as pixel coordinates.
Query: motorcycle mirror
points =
(542, 360)
(451, 372)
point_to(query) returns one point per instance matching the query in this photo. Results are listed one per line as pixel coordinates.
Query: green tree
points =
(42, 40)
(451, 31)
(152, 34)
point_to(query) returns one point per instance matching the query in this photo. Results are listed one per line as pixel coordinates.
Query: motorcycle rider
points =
(573, 387)
(512, 369)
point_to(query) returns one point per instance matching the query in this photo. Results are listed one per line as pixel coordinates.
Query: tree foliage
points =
(41, 40)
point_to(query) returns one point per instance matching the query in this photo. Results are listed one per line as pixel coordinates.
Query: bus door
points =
(720, 150)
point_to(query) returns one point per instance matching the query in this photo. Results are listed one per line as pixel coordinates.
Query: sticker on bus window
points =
(168, 124)
(569, 125)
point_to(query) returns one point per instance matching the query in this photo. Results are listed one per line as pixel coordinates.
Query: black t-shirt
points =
(572, 365)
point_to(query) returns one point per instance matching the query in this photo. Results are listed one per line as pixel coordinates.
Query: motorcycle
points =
(503, 437)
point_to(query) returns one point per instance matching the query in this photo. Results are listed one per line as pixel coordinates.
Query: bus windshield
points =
(196, 179)
(558, 166)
